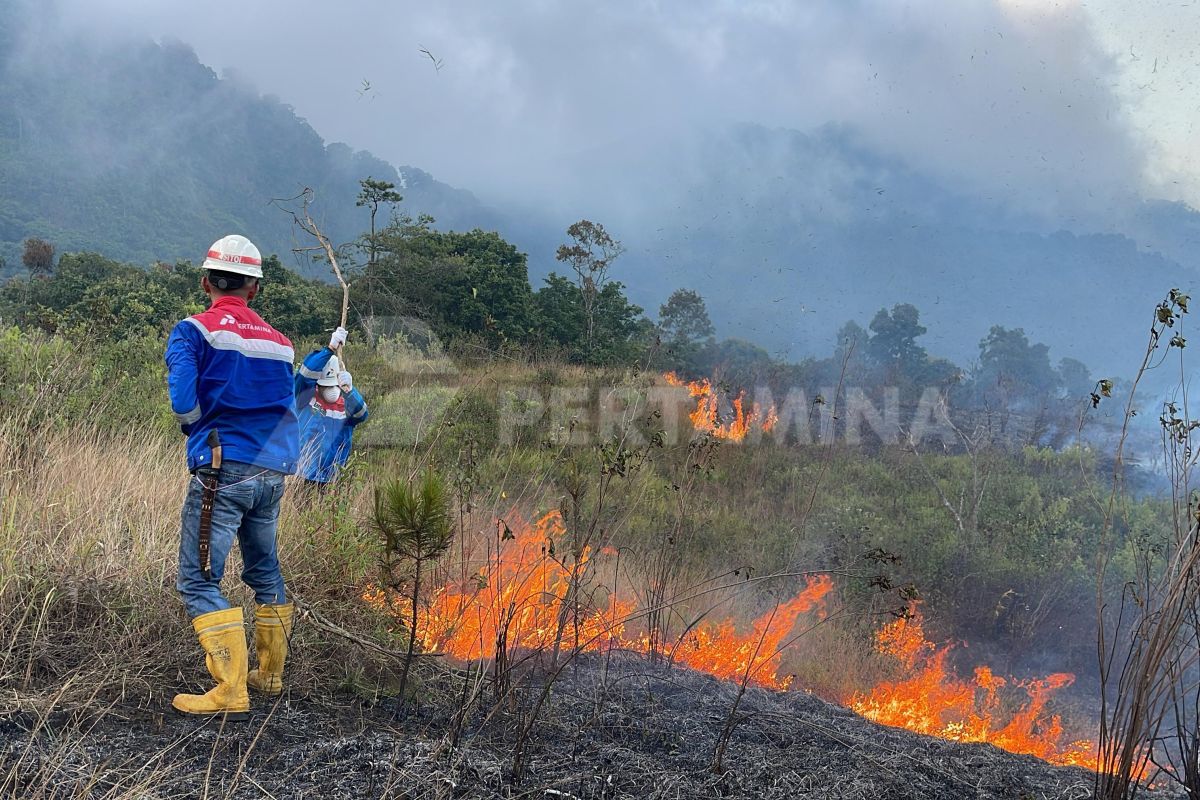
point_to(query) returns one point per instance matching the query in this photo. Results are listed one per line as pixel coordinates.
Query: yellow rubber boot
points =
(272, 629)
(223, 636)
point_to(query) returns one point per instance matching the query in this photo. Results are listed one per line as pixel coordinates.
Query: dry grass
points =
(89, 527)
(91, 627)
(86, 538)
(88, 507)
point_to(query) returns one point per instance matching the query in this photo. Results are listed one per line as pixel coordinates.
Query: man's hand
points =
(338, 338)
(344, 381)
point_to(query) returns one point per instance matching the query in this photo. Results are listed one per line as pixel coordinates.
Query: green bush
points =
(68, 380)
(470, 420)
(405, 417)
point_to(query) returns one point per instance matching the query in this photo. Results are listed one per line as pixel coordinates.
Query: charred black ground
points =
(626, 732)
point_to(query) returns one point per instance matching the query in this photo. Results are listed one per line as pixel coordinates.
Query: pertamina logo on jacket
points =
(235, 326)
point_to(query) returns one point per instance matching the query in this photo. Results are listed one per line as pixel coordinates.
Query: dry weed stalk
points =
(1148, 664)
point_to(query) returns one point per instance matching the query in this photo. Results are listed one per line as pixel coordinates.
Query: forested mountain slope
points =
(141, 152)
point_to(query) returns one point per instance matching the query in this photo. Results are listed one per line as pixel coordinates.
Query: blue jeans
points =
(246, 508)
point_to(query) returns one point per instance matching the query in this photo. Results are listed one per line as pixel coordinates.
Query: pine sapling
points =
(414, 520)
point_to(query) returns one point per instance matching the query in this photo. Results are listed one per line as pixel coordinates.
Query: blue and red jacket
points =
(228, 369)
(326, 429)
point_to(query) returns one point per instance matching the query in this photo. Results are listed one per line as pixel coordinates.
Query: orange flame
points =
(521, 595)
(934, 701)
(706, 417)
(520, 600)
(719, 650)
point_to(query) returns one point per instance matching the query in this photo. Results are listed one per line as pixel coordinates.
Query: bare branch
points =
(306, 223)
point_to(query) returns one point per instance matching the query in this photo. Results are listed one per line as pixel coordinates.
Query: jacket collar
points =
(228, 301)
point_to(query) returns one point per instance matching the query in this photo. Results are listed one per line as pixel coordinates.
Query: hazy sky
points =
(1157, 47)
(1055, 106)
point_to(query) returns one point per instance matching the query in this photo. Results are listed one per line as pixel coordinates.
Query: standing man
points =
(329, 408)
(230, 377)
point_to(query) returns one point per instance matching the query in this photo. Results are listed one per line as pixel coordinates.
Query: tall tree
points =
(472, 283)
(621, 331)
(590, 255)
(373, 194)
(1008, 360)
(38, 256)
(894, 337)
(1075, 378)
(849, 361)
(685, 328)
(684, 317)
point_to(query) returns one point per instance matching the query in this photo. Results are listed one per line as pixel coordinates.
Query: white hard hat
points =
(330, 376)
(235, 254)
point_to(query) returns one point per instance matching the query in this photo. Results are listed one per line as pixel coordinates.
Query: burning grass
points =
(523, 597)
(933, 700)
(520, 594)
(733, 426)
(720, 650)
